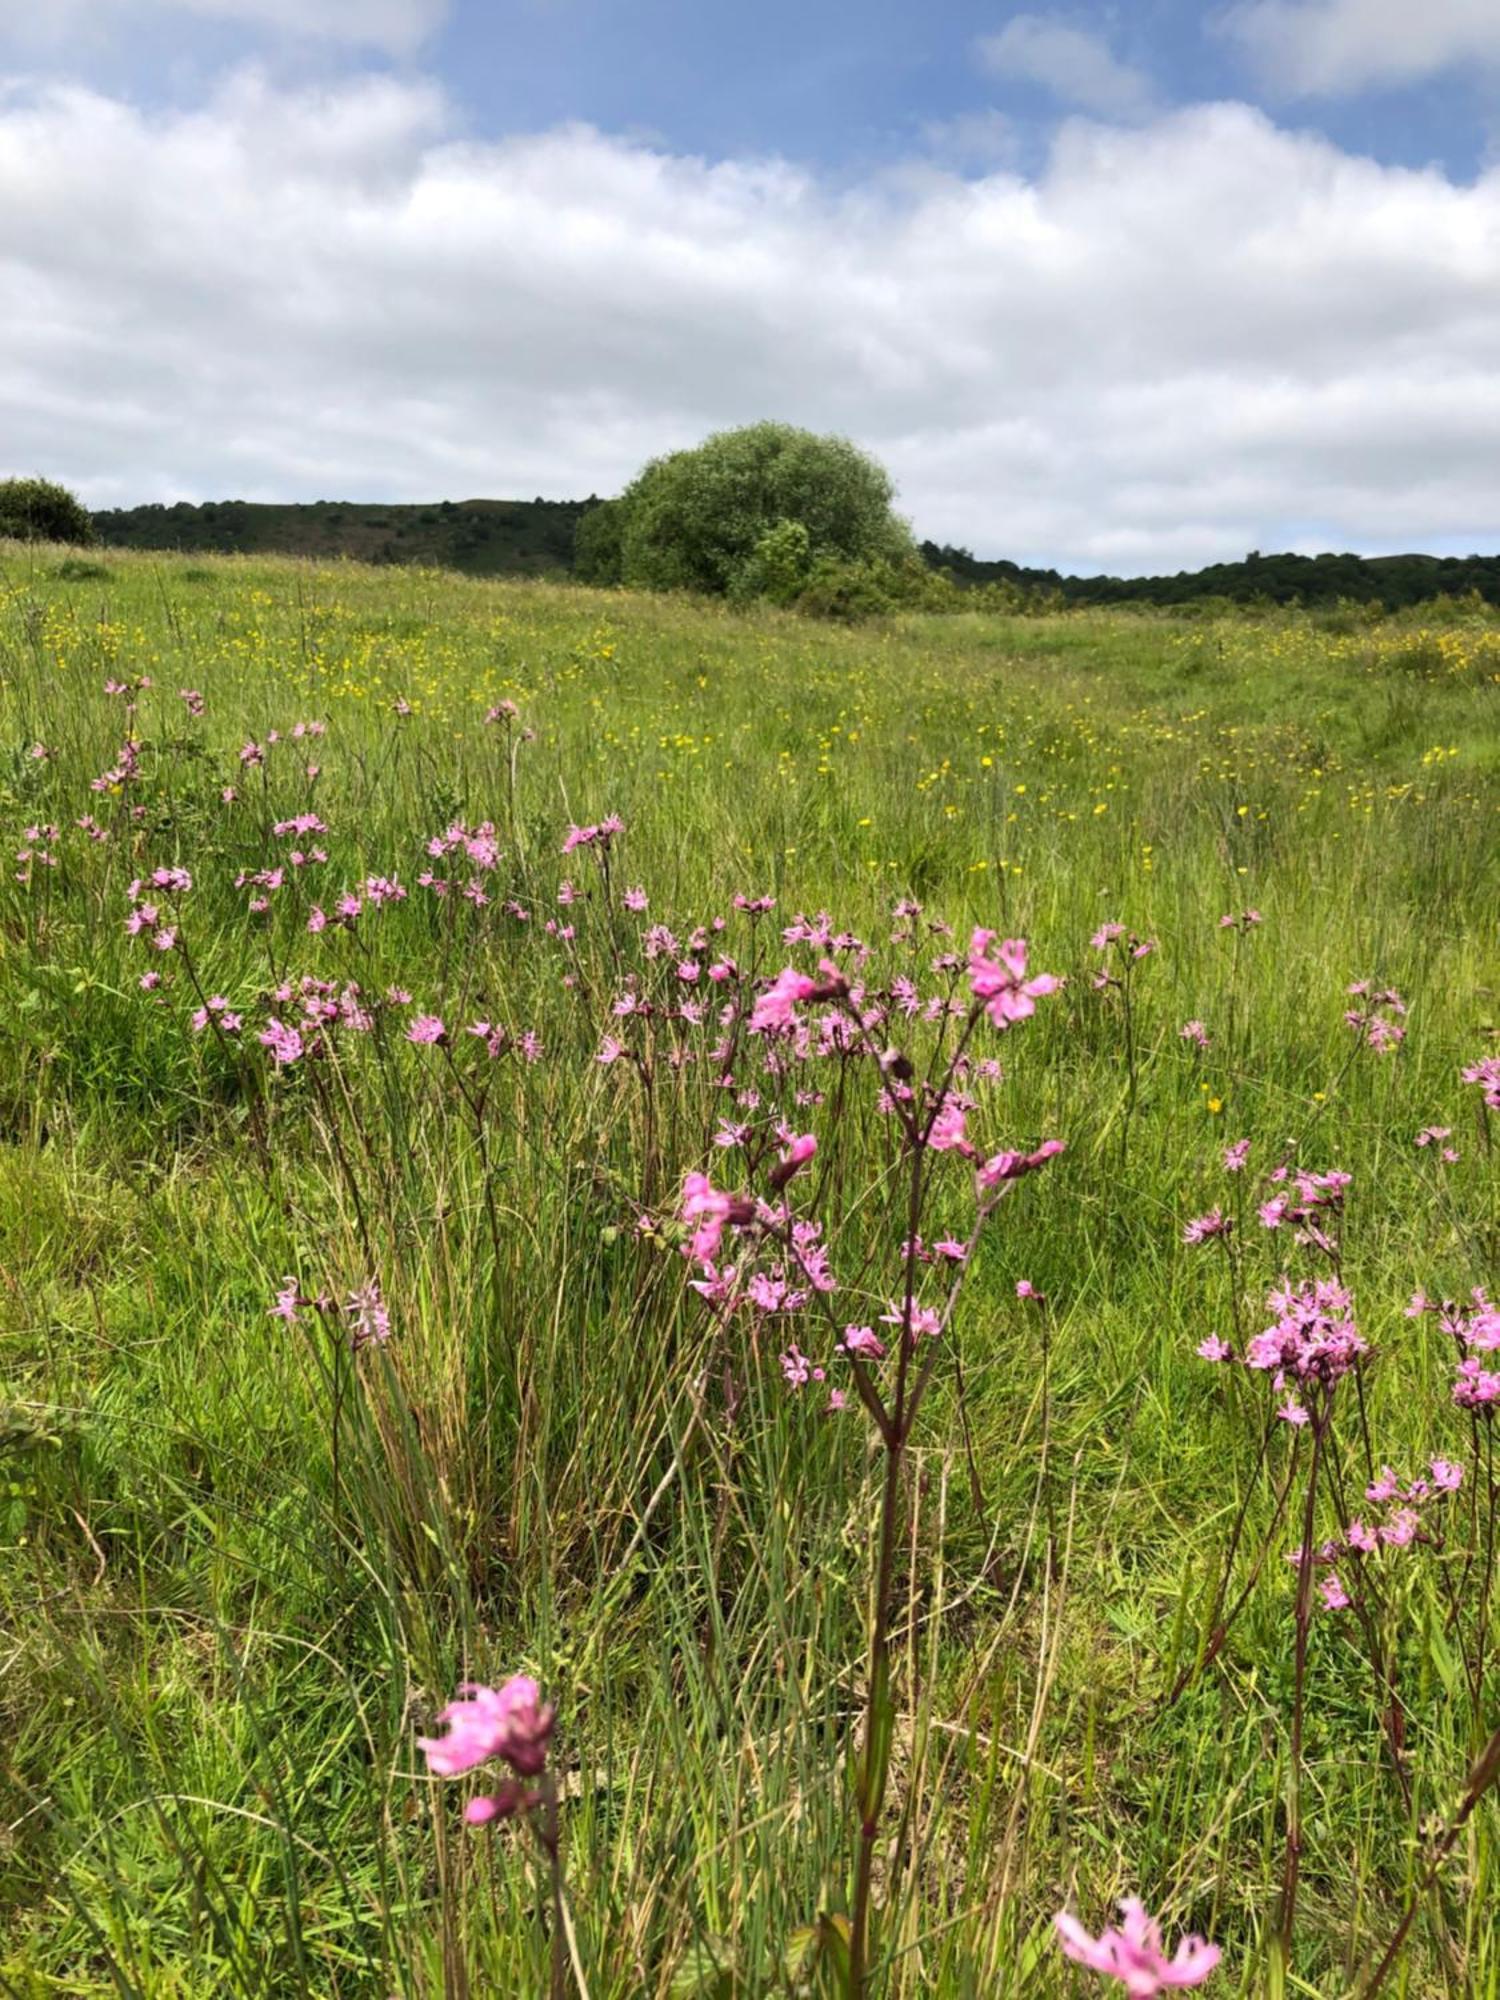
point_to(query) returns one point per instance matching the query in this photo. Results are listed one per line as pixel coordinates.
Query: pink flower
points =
(1203, 1228)
(774, 1007)
(708, 1207)
(284, 1043)
(371, 1316)
(1133, 1954)
(1314, 1338)
(1236, 1155)
(863, 1340)
(1001, 982)
(427, 1029)
(484, 1722)
(1486, 1073)
(947, 1134)
(1446, 1476)
(1335, 1597)
(1194, 1032)
(1400, 1530)
(288, 1301)
(1214, 1349)
(1011, 1166)
(796, 1367)
(799, 1151)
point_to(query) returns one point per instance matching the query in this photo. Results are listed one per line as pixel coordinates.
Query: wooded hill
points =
(535, 538)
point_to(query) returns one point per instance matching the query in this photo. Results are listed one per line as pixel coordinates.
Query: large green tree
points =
(748, 512)
(38, 510)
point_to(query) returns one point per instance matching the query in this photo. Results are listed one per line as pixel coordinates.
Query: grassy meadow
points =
(247, 1556)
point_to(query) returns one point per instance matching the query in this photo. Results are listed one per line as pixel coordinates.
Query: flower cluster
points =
(1126, 947)
(599, 835)
(1311, 1208)
(1313, 1340)
(1486, 1074)
(1476, 1328)
(1399, 1526)
(1379, 1016)
(364, 1310)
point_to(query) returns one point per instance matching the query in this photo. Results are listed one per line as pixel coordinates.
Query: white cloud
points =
(1146, 356)
(1340, 47)
(1075, 66)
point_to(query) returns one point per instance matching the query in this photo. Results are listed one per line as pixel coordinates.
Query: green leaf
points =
(707, 1972)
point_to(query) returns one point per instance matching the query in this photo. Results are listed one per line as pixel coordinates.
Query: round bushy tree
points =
(751, 512)
(39, 510)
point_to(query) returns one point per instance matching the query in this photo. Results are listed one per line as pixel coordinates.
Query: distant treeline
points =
(536, 538)
(1392, 582)
(483, 537)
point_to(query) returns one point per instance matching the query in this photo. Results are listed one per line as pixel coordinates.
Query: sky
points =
(1129, 287)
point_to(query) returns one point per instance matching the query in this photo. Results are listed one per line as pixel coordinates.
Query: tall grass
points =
(244, 1565)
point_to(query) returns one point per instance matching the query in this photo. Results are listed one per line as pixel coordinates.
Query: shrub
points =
(700, 519)
(39, 510)
(596, 543)
(777, 567)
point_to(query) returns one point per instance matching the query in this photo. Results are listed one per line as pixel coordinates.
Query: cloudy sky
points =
(1126, 286)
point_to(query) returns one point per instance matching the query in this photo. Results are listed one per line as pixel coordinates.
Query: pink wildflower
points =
(1011, 1166)
(372, 1320)
(1203, 1228)
(288, 1301)
(284, 1043)
(774, 1007)
(1001, 982)
(510, 1722)
(708, 1207)
(427, 1029)
(1314, 1337)
(796, 1367)
(863, 1340)
(1335, 1597)
(948, 1134)
(799, 1151)
(1134, 1955)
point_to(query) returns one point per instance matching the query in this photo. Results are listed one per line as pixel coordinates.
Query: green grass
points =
(221, 1635)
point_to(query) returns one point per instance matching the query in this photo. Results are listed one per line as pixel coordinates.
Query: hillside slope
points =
(481, 537)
